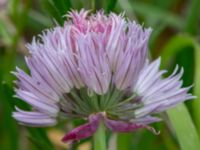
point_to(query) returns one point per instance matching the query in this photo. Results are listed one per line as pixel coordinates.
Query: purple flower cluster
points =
(95, 67)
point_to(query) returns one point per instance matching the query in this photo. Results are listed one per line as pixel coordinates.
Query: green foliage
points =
(154, 15)
(184, 128)
(196, 103)
(39, 138)
(8, 127)
(56, 9)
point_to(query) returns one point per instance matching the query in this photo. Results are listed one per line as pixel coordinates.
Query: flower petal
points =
(83, 131)
(158, 94)
(33, 118)
(121, 126)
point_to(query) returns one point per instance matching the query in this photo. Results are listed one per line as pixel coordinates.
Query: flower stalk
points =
(100, 138)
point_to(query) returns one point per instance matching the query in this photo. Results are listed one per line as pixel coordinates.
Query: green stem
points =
(100, 138)
(93, 4)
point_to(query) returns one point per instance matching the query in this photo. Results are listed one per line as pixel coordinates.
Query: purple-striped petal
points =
(83, 131)
(34, 118)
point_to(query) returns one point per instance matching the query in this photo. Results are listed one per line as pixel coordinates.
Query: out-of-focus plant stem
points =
(196, 103)
(192, 18)
(19, 17)
(123, 141)
(93, 4)
(191, 27)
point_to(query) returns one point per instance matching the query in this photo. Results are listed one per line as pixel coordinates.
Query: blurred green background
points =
(176, 28)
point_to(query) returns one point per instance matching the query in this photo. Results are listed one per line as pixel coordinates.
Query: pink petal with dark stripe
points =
(83, 131)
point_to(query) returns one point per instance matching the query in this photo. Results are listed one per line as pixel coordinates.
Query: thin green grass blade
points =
(175, 44)
(37, 21)
(52, 11)
(39, 138)
(154, 14)
(164, 4)
(5, 34)
(8, 127)
(196, 103)
(110, 5)
(192, 20)
(179, 116)
(62, 5)
(125, 6)
(184, 128)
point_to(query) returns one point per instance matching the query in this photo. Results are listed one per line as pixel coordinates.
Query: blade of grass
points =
(192, 19)
(38, 21)
(7, 121)
(150, 11)
(39, 138)
(175, 45)
(184, 128)
(155, 34)
(5, 34)
(62, 5)
(52, 11)
(164, 4)
(110, 5)
(37, 135)
(179, 116)
(196, 103)
(125, 6)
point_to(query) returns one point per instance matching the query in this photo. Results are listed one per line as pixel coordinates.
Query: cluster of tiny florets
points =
(95, 67)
